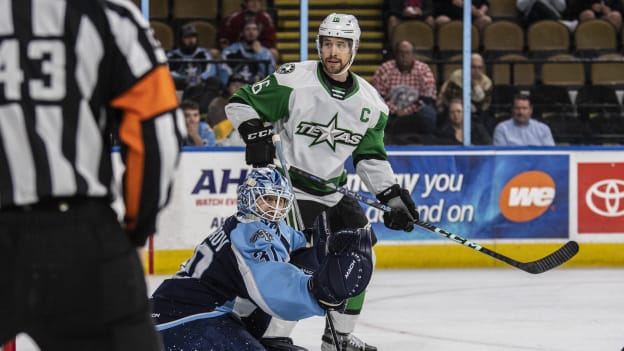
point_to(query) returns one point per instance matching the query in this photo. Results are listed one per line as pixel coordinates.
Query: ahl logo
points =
(328, 133)
(527, 196)
(606, 198)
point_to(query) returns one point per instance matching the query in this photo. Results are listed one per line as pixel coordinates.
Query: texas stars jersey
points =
(321, 123)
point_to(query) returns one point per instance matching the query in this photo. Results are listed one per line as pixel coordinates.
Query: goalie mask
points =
(340, 25)
(265, 194)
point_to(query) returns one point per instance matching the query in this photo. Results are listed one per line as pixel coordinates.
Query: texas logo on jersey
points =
(328, 133)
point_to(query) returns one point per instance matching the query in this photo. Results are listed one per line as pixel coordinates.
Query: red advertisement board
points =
(600, 198)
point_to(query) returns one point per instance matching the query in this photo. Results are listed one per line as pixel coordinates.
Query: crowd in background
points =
(436, 14)
(422, 109)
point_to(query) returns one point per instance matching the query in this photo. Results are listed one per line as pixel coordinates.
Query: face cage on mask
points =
(273, 211)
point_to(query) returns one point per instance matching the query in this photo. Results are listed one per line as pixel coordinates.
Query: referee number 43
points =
(48, 83)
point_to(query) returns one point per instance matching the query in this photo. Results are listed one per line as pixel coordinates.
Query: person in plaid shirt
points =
(409, 89)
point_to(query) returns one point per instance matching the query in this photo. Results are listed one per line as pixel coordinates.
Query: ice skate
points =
(347, 342)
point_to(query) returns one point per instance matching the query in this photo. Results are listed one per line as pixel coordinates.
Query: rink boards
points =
(520, 202)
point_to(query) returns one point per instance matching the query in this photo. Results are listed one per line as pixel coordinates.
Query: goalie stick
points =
(556, 258)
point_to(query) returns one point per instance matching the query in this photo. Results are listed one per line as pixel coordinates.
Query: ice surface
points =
(481, 310)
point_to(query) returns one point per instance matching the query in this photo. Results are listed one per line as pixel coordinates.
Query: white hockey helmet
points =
(340, 25)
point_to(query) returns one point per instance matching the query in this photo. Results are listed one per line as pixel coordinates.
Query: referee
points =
(70, 70)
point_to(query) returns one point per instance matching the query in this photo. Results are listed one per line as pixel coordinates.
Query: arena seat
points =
(164, 33)
(158, 9)
(595, 37)
(503, 9)
(549, 100)
(502, 37)
(206, 10)
(450, 38)
(545, 38)
(563, 70)
(608, 73)
(419, 33)
(597, 100)
(523, 73)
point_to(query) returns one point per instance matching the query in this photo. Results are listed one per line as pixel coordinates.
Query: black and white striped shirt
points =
(69, 69)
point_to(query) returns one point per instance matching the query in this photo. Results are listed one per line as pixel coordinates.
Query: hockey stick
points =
(556, 258)
(280, 155)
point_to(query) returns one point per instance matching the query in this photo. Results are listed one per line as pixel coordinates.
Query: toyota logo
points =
(606, 197)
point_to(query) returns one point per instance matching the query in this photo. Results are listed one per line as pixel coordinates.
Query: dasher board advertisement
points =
(497, 196)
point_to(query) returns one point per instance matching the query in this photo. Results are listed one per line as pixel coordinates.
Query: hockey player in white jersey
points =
(324, 114)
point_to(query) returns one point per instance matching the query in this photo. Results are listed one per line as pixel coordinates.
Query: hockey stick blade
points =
(555, 259)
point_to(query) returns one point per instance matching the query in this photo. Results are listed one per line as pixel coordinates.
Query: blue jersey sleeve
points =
(276, 286)
(296, 239)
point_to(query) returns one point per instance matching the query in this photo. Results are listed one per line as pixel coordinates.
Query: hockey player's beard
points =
(334, 67)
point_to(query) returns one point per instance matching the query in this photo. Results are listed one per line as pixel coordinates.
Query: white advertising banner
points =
(203, 195)
(591, 208)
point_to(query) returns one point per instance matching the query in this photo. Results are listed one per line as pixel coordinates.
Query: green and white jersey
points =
(320, 126)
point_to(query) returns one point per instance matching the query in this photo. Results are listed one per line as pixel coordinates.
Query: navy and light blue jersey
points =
(239, 267)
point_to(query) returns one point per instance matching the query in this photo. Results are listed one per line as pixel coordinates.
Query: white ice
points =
(481, 310)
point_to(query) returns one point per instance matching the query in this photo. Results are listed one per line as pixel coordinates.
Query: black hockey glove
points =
(309, 259)
(260, 150)
(404, 213)
(347, 269)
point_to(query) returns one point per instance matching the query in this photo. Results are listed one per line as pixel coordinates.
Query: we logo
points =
(527, 196)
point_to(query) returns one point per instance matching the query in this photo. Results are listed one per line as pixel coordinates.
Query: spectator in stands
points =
(453, 10)
(480, 93)
(230, 29)
(452, 132)
(261, 62)
(216, 113)
(199, 132)
(184, 70)
(538, 10)
(609, 10)
(409, 89)
(396, 11)
(521, 129)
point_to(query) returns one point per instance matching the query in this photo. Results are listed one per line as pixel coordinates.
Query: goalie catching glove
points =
(346, 267)
(260, 150)
(404, 213)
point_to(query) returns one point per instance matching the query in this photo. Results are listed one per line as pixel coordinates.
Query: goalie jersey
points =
(321, 123)
(239, 267)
